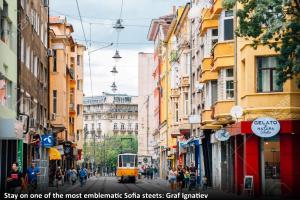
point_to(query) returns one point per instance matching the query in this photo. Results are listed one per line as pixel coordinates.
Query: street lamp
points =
(114, 70)
(118, 26)
(117, 56)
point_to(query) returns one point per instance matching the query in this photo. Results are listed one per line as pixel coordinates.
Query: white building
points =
(110, 114)
(146, 84)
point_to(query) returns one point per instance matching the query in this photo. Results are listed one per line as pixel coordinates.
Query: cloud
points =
(102, 14)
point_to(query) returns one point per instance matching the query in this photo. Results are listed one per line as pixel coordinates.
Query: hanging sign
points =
(222, 135)
(47, 140)
(265, 127)
(248, 182)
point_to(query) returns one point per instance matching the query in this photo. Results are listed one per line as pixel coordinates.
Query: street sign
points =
(47, 140)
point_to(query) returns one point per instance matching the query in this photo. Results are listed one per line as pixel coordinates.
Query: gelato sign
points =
(265, 127)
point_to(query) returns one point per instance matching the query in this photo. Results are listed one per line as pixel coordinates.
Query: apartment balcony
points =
(222, 112)
(175, 93)
(175, 130)
(207, 116)
(72, 110)
(223, 54)
(207, 74)
(207, 22)
(184, 81)
(216, 9)
(184, 123)
(284, 105)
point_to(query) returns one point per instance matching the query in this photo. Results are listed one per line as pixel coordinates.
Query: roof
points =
(164, 21)
(57, 19)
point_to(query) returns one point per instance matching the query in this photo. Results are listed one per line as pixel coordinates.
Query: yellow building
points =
(66, 90)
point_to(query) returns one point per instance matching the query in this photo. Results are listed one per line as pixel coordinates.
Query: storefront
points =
(268, 150)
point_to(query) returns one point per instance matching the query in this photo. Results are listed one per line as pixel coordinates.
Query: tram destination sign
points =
(265, 127)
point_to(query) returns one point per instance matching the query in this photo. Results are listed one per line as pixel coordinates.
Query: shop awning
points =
(54, 154)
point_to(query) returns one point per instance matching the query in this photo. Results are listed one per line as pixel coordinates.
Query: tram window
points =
(128, 161)
(120, 161)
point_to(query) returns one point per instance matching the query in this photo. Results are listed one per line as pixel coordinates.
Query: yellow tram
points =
(127, 167)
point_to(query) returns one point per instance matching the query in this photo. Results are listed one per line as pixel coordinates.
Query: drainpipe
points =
(191, 70)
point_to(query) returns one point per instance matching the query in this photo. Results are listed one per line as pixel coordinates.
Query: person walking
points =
(32, 173)
(15, 179)
(83, 176)
(58, 176)
(73, 176)
(172, 178)
(180, 178)
(186, 177)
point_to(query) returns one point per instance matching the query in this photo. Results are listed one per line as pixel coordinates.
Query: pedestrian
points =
(15, 179)
(32, 173)
(83, 176)
(73, 176)
(204, 183)
(172, 178)
(58, 176)
(151, 172)
(186, 177)
(180, 178)
(155, 172)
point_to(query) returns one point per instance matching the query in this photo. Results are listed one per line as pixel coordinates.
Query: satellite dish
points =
(236, 112)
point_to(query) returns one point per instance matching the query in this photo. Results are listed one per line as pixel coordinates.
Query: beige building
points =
(66, 89)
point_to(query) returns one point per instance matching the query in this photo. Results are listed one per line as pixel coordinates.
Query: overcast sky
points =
(102, 14)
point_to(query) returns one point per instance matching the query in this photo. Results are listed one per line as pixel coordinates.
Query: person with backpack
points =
(58, 176)
(82, 176)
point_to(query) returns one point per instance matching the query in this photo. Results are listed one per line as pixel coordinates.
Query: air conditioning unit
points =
(53, 116)
(49, 53)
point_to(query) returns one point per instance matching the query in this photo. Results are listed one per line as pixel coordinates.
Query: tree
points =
(107, 151)
(275, 23)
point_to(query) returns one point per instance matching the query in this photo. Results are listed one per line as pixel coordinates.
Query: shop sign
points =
(222, 135)
(265, 127)
(47, 140)
(68, 148)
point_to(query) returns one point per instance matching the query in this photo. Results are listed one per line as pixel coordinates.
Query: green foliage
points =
(275, 23)
(106, 152)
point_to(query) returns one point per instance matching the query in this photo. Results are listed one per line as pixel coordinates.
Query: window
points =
(214, 92)
(176, 112)
(27, 57)
(78, 135)
(214, 37)
(186, 103)
(86, 117)
(54, 60)
(187, 61)
(266, 75)
(78, 109)
(22, 49)
(5, 25)
(5, 92)
(78, 84)
(86, 126)
(115, 126)
(129, 126)
(54, 101)
(229, 83)
(99, 126)
(228, 25)
(136, 126)
(122, 126)
(78, 60)
(93, 126)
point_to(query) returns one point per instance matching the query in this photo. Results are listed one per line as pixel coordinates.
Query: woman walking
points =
(172, 178)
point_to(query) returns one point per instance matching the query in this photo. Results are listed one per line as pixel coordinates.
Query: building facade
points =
(110, 115)
(145, 106)
(66, 91)
(8, 87)
(232, 89)
(33, 82)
